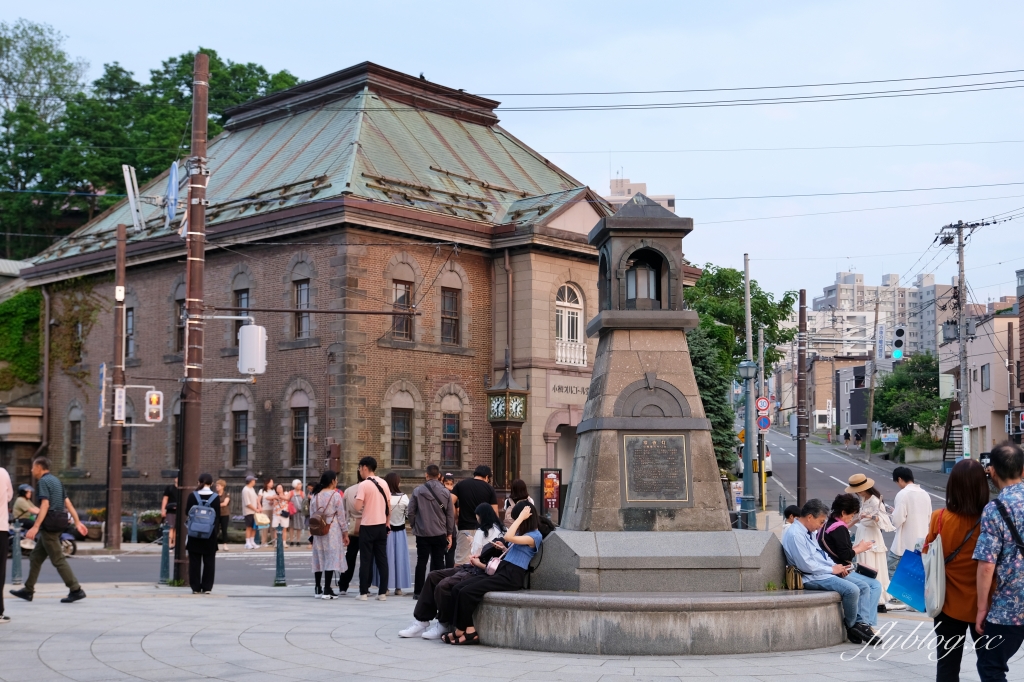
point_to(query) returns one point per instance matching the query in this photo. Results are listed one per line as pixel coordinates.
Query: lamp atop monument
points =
(641, 256)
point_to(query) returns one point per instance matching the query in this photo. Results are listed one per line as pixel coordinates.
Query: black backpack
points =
(545, 526)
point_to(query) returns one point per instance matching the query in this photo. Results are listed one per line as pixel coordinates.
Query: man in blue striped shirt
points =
(821, 573)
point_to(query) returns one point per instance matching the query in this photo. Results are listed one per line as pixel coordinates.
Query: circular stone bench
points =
(663, 624)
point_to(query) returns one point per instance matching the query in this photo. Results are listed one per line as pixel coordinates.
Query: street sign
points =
(762, 404)
(119, 401)
(967, 442)
(103, 394)
(764, 423)
(742, 435)
(880, 342)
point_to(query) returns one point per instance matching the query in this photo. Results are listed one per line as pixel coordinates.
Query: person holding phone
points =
(834, 538)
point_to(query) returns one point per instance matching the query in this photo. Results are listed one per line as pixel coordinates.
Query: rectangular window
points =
(402, 325)
(300, 418)
(451, 443)
(240, 446)
(129, 332)
(986, 377)
(567, 325)
(401, 437)
(126, 442)
(450, 316)
(241, 301)
(75, 445)
(302, 326)
(179, 327)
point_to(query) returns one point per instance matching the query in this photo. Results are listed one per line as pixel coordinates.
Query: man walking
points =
(355, 517)
(250, 506)
(432, 516)
(373, 501)
(6, 495)
(911, 514)
(859, 593)
(470, 493)
(1000, 551)
(54, 506)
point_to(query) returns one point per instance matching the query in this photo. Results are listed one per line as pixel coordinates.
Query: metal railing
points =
(569, 353)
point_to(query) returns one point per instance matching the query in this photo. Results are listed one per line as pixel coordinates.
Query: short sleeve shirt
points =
(171, 493)
(249, 500)
(996, 546)
(471, 493)
(50, 488)
(374, 507)
(520, 555)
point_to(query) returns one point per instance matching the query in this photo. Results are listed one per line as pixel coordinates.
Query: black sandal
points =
(467, 638)
(448, 638)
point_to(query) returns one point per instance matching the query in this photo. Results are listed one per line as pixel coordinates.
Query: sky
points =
(705, 156)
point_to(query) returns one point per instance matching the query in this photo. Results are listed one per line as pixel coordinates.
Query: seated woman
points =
(523, 539)
(834, 538)
(436, 596)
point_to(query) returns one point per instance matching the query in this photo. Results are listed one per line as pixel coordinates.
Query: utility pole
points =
(760, 436)
(192, 388)
(801, 403)
(1009, 380)
(965, 372)
(871, 391)
(116, 443)
(748, 372)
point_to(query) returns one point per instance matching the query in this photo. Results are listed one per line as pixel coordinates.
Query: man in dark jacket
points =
(432, 516)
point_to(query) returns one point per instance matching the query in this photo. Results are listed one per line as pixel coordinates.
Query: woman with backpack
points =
(328, 525)
(958, 524)
(202, 551)
(517, 494)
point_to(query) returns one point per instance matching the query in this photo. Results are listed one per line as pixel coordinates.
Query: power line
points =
(783, 149)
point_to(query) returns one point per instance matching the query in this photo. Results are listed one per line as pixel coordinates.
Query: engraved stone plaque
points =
(656, 470)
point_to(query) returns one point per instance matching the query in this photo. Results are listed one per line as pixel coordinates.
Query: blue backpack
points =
(202, 518)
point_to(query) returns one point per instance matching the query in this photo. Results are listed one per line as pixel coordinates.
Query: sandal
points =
(467, 638)
(448, 638)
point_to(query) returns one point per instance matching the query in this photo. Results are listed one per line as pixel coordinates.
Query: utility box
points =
(947, 386)
(252, 349)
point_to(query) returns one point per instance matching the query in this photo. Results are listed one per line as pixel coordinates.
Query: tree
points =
(35, 69)
(718, 296)
(909, 396)
(713, 382)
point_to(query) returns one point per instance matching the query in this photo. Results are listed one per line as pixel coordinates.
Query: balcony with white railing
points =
(570, 353)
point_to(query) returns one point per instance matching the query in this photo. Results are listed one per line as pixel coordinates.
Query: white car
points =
(767, 461)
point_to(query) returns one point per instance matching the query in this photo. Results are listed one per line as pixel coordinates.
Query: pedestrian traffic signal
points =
(898, 342)
(154, 406)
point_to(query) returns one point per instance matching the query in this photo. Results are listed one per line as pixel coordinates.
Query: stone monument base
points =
(664, 624)
(670, 561)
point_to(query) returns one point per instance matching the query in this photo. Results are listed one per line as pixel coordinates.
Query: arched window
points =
(569, 346)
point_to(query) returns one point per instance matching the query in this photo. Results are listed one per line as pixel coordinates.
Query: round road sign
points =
(764, 422)
(762, 404)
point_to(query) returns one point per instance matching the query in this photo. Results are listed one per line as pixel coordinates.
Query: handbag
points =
(907, 584)
(866, 572)
(318, 523)
(935, 570)
(261, 519)
(794, 578)
(492, 565)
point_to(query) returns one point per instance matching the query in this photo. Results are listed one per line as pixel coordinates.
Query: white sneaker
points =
(398, 593)
(895, 606)
(415, 630)
(361, 597)
(382, 597)
(435, 631)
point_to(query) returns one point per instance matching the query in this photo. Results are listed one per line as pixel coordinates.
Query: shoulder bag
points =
(56, 520)
(794, 578)
(1009, 523)
(492, 565)
(935, 570)
(318, 523)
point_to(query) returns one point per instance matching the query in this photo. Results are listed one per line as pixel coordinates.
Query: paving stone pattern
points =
(140, 632)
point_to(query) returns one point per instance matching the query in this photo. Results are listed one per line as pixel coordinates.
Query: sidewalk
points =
(926, 478)
(132, 631)
(89, 548)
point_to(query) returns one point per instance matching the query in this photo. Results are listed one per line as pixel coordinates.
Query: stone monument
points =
(645, 560)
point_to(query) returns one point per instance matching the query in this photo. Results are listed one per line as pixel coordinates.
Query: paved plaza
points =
(139, 631)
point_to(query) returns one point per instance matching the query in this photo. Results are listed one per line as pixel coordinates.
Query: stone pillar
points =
(550, 440)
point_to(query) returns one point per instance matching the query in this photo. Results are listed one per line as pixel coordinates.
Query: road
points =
(828, 471)
(233, 568)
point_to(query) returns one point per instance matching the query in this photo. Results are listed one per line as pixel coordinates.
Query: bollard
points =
(135, 527)
(279, 574)
(165, 555)
(16, 554)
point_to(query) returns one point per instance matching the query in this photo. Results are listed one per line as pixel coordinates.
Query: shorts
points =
(171, 519)
(250, 520)
(279, 522)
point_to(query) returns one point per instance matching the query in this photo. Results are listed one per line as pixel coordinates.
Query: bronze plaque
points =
(656, 470)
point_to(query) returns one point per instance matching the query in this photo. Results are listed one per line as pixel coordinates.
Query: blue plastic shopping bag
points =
(908, 583)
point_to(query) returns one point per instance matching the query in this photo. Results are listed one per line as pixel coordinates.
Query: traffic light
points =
(154, 406)
(899, 336)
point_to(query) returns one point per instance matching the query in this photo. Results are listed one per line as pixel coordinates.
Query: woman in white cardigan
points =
(874, 520)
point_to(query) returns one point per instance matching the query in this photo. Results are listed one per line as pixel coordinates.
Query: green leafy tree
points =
(714, 379)
(909, 396)
(36, 70)
(718, 297)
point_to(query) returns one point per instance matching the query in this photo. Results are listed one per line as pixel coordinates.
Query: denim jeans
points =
(994, 654)
(859, 595)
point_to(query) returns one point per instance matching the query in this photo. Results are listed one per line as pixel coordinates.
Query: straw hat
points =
(859, 483)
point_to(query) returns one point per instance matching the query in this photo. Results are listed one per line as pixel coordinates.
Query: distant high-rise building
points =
(623, 190)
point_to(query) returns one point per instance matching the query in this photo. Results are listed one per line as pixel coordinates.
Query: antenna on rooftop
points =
(171, 195)
(134, 204)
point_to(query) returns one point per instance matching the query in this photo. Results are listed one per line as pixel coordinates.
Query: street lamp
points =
(748, 370)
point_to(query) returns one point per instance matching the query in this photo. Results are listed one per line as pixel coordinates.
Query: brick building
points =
(365, 189)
